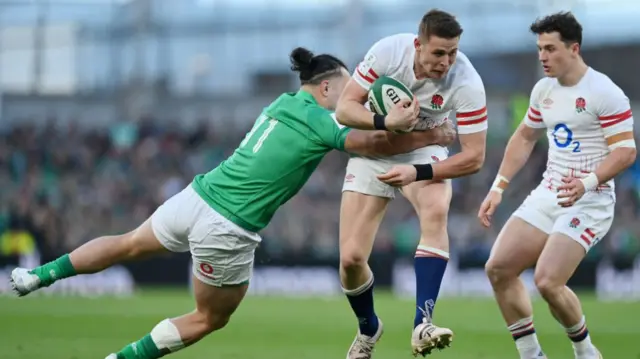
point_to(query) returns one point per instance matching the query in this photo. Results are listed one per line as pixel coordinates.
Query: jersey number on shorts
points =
(567, 139)
(265, 132)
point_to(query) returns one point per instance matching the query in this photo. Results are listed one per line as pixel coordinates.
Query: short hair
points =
(564, 23)
(439, 23)
(313, 69)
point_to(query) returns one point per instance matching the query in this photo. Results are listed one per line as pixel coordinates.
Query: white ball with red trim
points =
(385, 93)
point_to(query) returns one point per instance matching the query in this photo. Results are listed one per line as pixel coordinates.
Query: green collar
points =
(304, 95)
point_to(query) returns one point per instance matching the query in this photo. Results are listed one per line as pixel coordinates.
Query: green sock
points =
(144, 348)
(52, 271)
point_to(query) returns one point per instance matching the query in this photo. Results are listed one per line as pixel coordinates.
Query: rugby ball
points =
(385, 93)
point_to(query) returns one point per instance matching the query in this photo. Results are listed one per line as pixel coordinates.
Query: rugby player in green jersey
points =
(218, 215)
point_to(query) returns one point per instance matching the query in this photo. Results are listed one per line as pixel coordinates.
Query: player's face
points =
(556, 57)
(332, 88)
(435, 56)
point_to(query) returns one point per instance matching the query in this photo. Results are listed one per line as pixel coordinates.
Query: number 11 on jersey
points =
(566, 140)
(265, 133)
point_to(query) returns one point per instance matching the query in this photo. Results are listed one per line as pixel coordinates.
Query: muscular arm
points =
(383, 143)
(619, 159)
(616, 120)
(351, 111)
(468, 161)
(519, 149)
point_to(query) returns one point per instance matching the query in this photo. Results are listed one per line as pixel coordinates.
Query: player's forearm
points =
(516, 155)
(353, 114)
(615, 163)
(398, 143)
(461, 164)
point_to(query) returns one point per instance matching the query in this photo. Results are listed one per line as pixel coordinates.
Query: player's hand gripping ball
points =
(390, 97)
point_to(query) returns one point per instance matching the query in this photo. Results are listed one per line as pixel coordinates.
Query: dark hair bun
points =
(301, 59)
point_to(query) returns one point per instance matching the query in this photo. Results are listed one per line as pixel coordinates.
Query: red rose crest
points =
(436, 102)
(574, 223)
(581, 104)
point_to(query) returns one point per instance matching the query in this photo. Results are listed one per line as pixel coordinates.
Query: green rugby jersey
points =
(273, 162)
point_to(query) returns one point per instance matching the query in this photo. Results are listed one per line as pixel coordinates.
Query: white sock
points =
(526, 339)
(166, 336)
(583, 347)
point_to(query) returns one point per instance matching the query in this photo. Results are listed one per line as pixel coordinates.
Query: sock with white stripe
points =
(163, 339)
(579, 335)
(361, 301)
(430, 265)
(524, 334)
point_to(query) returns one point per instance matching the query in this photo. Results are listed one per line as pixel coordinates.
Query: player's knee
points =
(352, 258)
(499, 273)
(434, 215)
(547, 286)
(218, 322)
(211, 321)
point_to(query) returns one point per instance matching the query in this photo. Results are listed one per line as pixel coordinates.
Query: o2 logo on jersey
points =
(563, 137)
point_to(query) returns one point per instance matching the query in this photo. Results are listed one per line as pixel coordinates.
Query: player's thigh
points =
(170, 224)
(217, 303)
(364, 203)
(587, 221)
(431, 200)
(142, 241)
(523, 237)
(223, 253)
(558, 261)
(517, 248)
(361, 177)
(360, 218)
(575, 232)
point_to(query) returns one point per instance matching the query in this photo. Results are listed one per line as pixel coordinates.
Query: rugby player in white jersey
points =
(444, 82)
(589, 125)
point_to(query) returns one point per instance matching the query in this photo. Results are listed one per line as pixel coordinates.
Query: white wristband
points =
(496, 184)
(591, 182)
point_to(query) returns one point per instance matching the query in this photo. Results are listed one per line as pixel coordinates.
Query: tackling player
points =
(589, 125)
(218, 215)
(444, 81)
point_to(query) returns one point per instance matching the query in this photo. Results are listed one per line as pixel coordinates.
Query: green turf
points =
(278, 328)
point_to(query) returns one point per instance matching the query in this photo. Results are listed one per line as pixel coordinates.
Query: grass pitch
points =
(277, 328)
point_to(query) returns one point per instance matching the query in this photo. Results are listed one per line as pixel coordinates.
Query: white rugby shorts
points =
(361, 172)
(586, 222)
(222, 252)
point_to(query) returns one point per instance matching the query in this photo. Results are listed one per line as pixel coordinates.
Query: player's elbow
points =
(627, 156)
(342, 112)
(476, 161)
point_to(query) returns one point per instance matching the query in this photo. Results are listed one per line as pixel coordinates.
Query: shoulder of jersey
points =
(544, 84)
(602, 82)
(397, 39)
(393, 45)
(464, 73)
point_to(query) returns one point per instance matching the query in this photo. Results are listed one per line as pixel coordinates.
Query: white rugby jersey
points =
(461, 90)
(584, 124)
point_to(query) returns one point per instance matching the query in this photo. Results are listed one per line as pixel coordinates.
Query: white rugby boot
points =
(427, 337)
(23, 282)
(595, 355)
(362, 346)
(112, 356)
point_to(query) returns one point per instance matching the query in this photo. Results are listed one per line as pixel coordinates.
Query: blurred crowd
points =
(64, 186)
